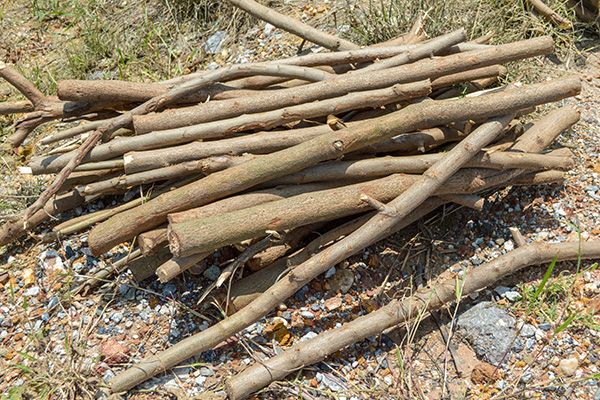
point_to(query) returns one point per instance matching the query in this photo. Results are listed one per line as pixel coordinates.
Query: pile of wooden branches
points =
(262, 155)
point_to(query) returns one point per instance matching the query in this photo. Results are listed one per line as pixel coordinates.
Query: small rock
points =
(108, 375)
(539, 334)
(527, 331)
(490, 331)
(204, 371)
(200, 380)
(212, 273)
(32, 291)
(512, 296)
(214, 43)
(112, 352)
(117, 317)
(526, 377)
(52, 302)
(331, 383)
(568, 366)
(499, 241)
(51, 261)
(597, 394)
(333, 303)
(307, 315)
(308, 336)
(509, 245)
(330, 272)
(342, 281)
(545, 326)
(501, 290)
(484, 373)
(128, 324)
(169, 290)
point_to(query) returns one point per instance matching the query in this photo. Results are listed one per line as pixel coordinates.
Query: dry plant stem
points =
(325, 147)
(425, 50)
(401, 311)
(376, 228)
(72, 132)
(550, 14)
(583, 13)
(294, 26)
(144, 267)
(79, 90)
(103, 273)
(154, 104)
(13, 230)
(468, 200)
(176, 266)
(426, 69)
(15, 107)
(382, 166)
(266, 120)
(517, 236)
(206, 166)
(198, 236)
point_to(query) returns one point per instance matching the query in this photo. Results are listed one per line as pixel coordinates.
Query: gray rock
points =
(545, 326)
(214, 43)
(32, 291)
(206, 372)
(307, 315)
(500, 290)
(527, 331)
(169, 290)
(512, 296)
(332, 384)
(117, 317)
(52, 302)
(108, 375)
(490, 331)
(597, 394)
(212, 273)
(526, 377)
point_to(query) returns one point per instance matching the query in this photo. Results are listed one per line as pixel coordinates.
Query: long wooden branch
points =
(550, 14)
(324, 147)
(376, 228)
(210, 233)
(398, 311)
(155, 104)
(424, 69)
(266, 120)
(15, 107)
(293, 26)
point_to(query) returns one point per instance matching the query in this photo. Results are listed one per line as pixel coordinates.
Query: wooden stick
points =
(154, 104)
(266, 120)
(377, 227)
(176, 266)
(321, 148)
(547, 129)
(293, 26)
(398, 311)
(550, 14)
(382, 166)
(15, 107)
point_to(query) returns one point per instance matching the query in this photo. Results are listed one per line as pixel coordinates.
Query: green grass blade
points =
(565, 324)
(546, 277)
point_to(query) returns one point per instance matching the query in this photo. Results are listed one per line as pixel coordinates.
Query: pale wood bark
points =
(547, 129)
(176, 266)
(382, 166)
(266, 120)
(145, 266)
(550, 14)
(398, 311)
(321, 148)
(15, 107)
(14, 229)
(205, 166)
(294, 26)
(376, 228)
(205, 234)
(152, 241)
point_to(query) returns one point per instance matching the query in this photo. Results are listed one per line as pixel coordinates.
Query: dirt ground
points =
(58, 346)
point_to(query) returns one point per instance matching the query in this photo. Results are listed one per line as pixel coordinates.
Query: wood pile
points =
(258, 156)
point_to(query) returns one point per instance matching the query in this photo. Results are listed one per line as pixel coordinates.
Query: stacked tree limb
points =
(372, 139)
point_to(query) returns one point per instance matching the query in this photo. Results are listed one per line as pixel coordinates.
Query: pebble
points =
(108, 375)
(568, 366)
(200, 380)
(52, 302)
(330, 272)
(512, 296)
(527, 331)
(32, 291)
(546, 326)
(212, 273)
(204, 371)
(128, 324)
(169, 290)
(333, 303)
(526, 377)
(116, 317)
(307, 315)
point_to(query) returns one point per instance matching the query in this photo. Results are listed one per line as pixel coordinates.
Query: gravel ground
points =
(49, 333)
